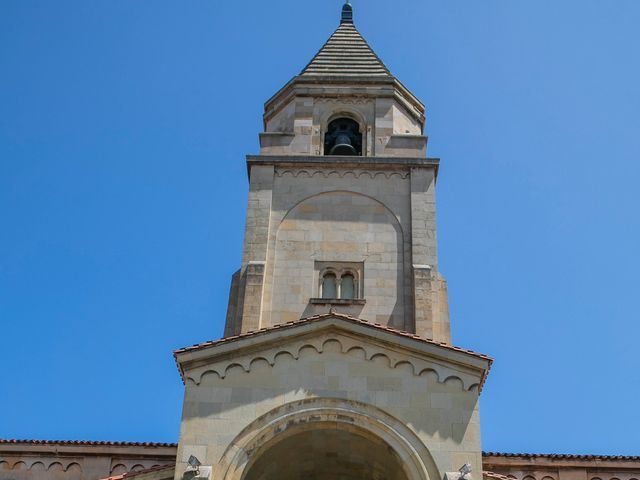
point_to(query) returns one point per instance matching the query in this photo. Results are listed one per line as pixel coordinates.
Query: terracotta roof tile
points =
(561, 456)
(324, 316)
(89, 443)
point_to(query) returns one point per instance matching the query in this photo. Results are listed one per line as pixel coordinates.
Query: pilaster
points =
(430, 302)
(251, 283)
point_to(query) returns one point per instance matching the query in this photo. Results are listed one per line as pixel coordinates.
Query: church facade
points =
(336, 360)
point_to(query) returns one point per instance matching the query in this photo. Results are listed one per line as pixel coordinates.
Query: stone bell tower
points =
(336, 360)
(341, 210)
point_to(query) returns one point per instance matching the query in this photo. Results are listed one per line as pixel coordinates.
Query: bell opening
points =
(343, 137)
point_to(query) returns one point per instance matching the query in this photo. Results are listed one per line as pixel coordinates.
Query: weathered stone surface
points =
(33, 460)
(318, 379)
(500, 466)
(382, 215)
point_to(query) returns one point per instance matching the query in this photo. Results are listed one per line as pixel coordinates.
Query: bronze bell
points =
(343, 144)
(343, 138)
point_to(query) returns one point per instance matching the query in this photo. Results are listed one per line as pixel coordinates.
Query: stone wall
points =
(438, 410)
(377, 213)
(79, 460)
(386, 125)
(341, 219)
(561, 467)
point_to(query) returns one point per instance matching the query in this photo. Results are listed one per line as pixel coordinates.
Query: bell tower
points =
(341, 211)
(336, 361)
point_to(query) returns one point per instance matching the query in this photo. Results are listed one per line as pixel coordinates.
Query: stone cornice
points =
(332, 161)
(501, 461)
(326, 86)
(79, 448)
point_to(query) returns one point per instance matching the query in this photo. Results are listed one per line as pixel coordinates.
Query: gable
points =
(335, 337)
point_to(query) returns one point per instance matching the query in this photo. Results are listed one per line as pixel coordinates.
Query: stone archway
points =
(327, 438)
(326, 451)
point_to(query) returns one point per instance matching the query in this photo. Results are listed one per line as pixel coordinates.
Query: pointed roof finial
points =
(347, 13)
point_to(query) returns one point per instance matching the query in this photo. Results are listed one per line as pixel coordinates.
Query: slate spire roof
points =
(346, 53)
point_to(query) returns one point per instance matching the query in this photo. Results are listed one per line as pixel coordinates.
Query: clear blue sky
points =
(123, 185)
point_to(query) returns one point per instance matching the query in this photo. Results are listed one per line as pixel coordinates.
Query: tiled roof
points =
(324, 316)
(561, 456)
(87, 443)
(346, 53)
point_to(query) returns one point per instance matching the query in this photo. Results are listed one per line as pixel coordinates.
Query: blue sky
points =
(123, 187)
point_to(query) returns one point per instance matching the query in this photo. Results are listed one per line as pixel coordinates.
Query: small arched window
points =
(347, 287)
(343, 137)
(339, 283)
(329, 289)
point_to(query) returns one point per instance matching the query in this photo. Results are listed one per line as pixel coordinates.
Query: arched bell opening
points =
(343, 137)
(319, 452)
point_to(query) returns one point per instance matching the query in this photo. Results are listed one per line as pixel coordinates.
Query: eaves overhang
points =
(227, 348)
(88, 448)
(342, 87)
(528, 461)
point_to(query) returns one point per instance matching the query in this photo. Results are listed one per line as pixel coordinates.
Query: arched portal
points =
(326, 438)
(327, 453)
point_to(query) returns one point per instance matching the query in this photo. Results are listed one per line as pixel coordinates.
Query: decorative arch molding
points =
(546, 476)
(43, 464)
(345, 345)
(121, 466)
(345, 100)
(319, 413)
(355, 173)
(119, 469)
(73, 467)
(56, 467)
(396, 221)
(37, 467)
(615, 476)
